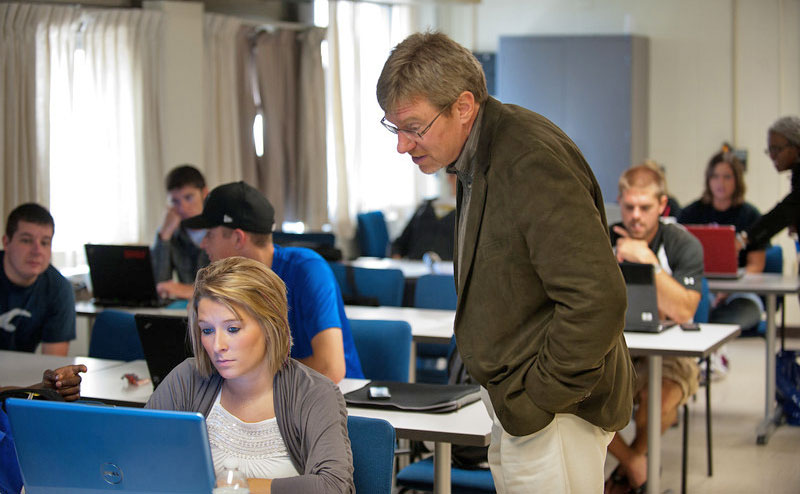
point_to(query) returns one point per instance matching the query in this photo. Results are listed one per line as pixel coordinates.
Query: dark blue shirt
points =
(315, 303)
(42, 312)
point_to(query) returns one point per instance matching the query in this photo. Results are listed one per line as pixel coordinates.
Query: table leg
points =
(412, 363)
(441, 468)
(772, 414)
(654, 424)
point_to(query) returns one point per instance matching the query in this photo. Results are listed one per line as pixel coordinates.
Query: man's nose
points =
(404, 143)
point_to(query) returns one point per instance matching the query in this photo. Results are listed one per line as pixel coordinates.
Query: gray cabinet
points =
(594, 87)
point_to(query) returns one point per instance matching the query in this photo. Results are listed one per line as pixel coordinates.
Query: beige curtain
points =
(24, 176)
(275, 57)
(312, 175)
(223, 142)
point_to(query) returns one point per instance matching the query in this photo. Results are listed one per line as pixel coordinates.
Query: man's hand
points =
(632, 250)
(66, 380)
(174, 289)
(172, 221)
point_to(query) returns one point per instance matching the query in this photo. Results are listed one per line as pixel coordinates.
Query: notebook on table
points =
(165, 342)
(720, 257)
(416, 397)
(642, 313)
(122, 275)
(69, 448)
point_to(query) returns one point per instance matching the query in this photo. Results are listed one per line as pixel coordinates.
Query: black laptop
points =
(165, 342)
(642, 313)
(122, 275)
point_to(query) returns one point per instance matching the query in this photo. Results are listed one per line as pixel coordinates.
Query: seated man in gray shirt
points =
(177, 249)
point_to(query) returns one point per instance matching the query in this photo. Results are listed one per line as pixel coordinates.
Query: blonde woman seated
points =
(280, 419)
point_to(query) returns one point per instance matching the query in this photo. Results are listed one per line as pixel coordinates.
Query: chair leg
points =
(684, 459)
(708, 421)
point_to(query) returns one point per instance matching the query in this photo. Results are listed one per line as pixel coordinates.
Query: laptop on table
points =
(165, 342)
(720, 257)
(69, 448)
(642, 313)
(122, 276)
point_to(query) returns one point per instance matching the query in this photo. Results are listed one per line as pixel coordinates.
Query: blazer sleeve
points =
(160, 256)
(559, 209)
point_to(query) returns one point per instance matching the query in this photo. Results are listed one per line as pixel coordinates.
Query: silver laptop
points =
(642, 313)
(69, 448)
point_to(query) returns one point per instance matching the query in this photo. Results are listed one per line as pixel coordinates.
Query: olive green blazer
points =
(541, 301)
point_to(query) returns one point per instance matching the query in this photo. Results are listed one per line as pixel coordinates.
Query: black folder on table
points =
(416, 397)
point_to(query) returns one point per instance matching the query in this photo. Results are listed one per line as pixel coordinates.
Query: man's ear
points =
(466, 106)
(239, 238)
(6, 241)
(662, 205)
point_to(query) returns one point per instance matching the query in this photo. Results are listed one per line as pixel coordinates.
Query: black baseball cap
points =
(235, 205)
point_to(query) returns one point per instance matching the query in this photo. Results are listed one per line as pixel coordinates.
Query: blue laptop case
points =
(70, 448)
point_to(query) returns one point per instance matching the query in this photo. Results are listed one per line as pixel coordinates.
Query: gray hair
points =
(432, 66)
(788, 127)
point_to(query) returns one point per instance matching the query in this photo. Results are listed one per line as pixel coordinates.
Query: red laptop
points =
(720, 258)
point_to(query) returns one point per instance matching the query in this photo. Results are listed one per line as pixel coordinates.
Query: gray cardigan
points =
(311, 416)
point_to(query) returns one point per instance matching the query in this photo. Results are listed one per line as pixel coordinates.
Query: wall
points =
(720, 70)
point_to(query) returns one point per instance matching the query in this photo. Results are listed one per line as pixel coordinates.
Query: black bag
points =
(466, 457)
(45, 394)
(787, 385)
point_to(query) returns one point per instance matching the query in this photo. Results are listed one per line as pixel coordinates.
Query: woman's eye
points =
(207, 330)
(233, 329)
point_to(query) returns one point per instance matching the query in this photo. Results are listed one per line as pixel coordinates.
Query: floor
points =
(740, 465)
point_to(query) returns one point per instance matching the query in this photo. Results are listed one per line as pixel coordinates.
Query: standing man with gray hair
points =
(541, 301)
(783, 147)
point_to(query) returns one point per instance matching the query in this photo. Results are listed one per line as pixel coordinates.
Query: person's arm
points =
(675, 301)
(756, 260)
(65, 380)
(328, 354)
(61, 348)
(174, 289)
(160, 252)
(784, 214)
(556, 206)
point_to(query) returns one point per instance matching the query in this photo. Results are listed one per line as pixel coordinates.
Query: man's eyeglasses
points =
(775, 150)
(413, 134)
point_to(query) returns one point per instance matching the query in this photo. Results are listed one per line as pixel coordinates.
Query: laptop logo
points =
(111, 473)
(133, 254)
(226, 219)
(647, 316)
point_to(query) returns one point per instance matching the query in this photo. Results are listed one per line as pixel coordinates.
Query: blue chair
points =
(373, 236)
(419, 476)
(372, 444)
(114, 336)
(383, 347)
(385, 286)
(703, 311)
(433, 291)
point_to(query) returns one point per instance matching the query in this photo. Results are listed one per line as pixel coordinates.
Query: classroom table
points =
(25, 368)
(770, 285)
(655, 346)
(469, 426)
(411, 268)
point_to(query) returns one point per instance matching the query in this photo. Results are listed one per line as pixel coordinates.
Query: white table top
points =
(110, 384)
(25, 369)
(85, 308)
(427, 325)
(469, 425)
(677, 342)
(761, 283)
(411, 268)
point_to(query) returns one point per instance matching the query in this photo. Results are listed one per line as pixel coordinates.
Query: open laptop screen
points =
(70, 448)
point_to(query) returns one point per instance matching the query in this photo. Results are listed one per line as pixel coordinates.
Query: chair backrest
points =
(310, 238)
(373, 236)
(384, 348)
(435, 291)
(774, 262)
(372, 443)
(114, 336)
(385, 285)
(704, 307)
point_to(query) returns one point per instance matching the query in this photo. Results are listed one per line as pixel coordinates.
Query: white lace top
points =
(258, 447)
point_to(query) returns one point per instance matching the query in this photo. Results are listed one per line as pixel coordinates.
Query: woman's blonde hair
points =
(242, 284)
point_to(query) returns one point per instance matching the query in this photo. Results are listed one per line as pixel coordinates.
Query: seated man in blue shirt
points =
(239, 220)
(37, 304)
